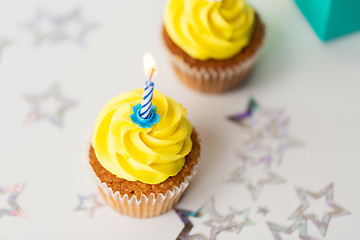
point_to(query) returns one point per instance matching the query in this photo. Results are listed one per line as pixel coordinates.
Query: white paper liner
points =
(213, 80)
(145, 207)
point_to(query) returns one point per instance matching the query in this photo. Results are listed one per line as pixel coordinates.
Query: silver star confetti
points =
(217, 222)
(265, 149)
(4, 43)
(299, 225)
(263, 210)
(14, 209)
(51, 106)
(266, 133)
(322, 224)
(237, 225)
(56, 28)
(254, 181)
(92, 199)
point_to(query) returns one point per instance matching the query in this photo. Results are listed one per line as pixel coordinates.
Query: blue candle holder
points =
(153, 118)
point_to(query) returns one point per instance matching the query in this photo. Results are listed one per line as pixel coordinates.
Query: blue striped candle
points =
(145, 111)
(149, 70)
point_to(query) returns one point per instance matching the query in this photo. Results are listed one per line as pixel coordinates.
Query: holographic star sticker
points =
(75, 27)
(240, 219)
(50, 105)
(52, 28)
(299, 225)
(262, 122)
(255, 175)
(265, 149)
(4, 43)
(265, 133)
(14, 209)
(252, 106)
(88, 203)
(45, 27)
(322, 224)
(263, 210)
(218, 223)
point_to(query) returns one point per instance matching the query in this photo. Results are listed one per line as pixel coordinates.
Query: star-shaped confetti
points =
(299, 225)
(252, 106)
(14, 208)
(4, 43)
(262, 122)
(254, 181)
(91, 199)
(265, 133)
(265, 149)
(243, 215)
(322, 224)
(217, 222)
(263, 210)
(50, 105)
(75, 28)
(52, 28)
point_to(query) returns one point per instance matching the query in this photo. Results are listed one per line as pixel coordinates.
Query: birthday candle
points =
(145, 111)
(149, 69)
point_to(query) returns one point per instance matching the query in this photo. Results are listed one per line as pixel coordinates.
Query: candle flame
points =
(149, 65)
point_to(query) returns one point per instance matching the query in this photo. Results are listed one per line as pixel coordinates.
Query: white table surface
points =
(318, 84)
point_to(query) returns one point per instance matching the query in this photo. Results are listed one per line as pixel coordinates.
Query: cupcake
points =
(142, 170)
(213, 45)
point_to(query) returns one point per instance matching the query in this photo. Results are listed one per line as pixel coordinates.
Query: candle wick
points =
(152, 72)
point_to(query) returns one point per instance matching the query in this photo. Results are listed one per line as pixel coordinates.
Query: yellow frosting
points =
(209, 29)
(149, 155)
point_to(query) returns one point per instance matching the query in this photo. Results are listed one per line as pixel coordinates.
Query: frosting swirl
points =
(209, 29)
(149, 155)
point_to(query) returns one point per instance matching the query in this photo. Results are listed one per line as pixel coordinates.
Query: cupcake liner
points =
(213, 80)
(146, 206)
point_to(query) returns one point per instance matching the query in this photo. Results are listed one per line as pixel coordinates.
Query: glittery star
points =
(75, 28)
(55, 28)
(263, 210)
(92, 199)
(51, 105)
(263, 122)
(254, 181)
(265, 133)
(238, 225)
(14, 209)
(322, 224)
(252, 106)
(299, 225)
(45, 27)
(4, 43)
(217, 222)
(265, 149)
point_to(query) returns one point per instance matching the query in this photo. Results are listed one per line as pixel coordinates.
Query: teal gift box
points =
(331, 18)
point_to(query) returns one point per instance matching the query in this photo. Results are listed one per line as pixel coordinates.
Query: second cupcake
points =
(213, 45)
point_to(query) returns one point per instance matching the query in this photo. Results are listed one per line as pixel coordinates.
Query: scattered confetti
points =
(92, 199)
(51, 28)
(14, 209)
(218, 223)
(4, 43)
(263, 210)
(265, 133)
(322, 224)
(51, 106)
(264, 141)
(254, 182)
(299, 225)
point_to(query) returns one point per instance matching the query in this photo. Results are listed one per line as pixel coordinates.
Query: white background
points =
(317, 83)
